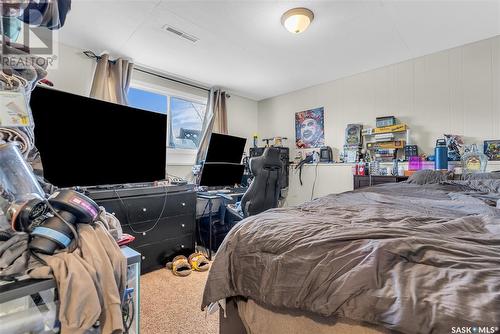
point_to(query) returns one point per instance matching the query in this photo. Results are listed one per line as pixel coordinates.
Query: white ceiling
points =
(243, 47)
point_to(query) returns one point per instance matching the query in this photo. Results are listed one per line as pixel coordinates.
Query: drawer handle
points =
(144, 209)
(183, 204)
(143, 257)
(183, 225)
(182, 246)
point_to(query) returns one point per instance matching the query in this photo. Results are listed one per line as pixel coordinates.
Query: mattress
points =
(258, 319)
(409, 258)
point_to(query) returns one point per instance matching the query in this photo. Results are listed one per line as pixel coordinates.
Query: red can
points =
(361, 168)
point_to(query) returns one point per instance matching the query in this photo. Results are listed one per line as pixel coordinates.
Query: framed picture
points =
(492, 149)
(310, 128)
(455, 145)
(353, 134)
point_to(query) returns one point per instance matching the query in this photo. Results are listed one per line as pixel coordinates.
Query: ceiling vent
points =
(180, 33)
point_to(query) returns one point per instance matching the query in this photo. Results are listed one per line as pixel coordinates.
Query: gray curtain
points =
(112, 80)
(215, 121)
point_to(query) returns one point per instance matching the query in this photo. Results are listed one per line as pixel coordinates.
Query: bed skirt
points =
(248, 317)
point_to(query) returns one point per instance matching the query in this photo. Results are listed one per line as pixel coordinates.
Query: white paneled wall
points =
(74, 71)
(453, 91)
(242, 117)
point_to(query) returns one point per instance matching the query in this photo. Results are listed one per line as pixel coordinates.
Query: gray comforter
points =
(414, 259)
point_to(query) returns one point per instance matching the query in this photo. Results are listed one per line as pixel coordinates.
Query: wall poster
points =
(310, 128)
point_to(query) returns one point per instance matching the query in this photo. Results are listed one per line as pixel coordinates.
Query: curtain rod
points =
(92, 55)
(170, 79)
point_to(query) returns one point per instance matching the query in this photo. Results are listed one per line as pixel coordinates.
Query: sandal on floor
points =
(180, 266)
(198, 262)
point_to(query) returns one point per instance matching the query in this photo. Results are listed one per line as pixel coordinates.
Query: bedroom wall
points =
(242, 117)
(74, 71)
(453, 91)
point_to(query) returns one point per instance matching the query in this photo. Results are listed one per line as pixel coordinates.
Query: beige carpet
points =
(171, 304)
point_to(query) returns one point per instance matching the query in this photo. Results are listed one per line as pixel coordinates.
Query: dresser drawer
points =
(180, 204)
(157, 230)
(156, 255)
(146, 208)
(383, 179)
(361, 181)
(114, 207)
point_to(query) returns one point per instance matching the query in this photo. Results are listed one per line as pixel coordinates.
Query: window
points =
(143, 99)
(186, 119)
(185, 115)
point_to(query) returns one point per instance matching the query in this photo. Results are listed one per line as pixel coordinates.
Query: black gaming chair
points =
(264, 191)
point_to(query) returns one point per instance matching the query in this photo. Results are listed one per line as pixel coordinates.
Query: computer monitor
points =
(222, 166)
(225, 148)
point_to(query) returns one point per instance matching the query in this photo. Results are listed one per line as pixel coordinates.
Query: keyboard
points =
(226, 191)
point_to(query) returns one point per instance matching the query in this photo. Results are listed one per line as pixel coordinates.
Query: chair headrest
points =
(270, 159)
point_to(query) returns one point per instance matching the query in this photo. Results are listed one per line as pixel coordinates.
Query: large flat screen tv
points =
(89, 142)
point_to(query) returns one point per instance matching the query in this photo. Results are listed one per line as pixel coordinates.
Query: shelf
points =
(396, 144)
(398, 128)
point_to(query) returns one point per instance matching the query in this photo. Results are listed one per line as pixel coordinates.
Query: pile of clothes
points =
(90, 274)
(49, 14)
(13, 251)
(41, 13)
(46, 13)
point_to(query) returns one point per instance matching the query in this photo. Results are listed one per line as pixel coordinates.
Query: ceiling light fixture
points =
(297, 20)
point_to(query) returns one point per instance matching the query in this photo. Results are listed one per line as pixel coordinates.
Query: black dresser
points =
(162, 219)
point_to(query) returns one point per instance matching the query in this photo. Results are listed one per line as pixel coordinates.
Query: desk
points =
(216, 204)
(210, 198)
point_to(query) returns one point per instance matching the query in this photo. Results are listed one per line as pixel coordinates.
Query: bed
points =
(397, 257)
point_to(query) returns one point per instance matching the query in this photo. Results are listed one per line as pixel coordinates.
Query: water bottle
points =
(401, 171)
(441, 155)
(315, 157)
(395, 167)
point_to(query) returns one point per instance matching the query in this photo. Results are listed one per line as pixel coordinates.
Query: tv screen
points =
(225, 148)
(89, 142)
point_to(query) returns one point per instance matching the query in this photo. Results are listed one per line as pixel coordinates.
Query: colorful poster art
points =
(310, 128)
